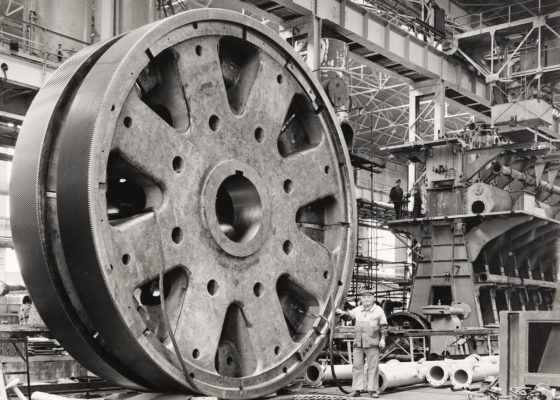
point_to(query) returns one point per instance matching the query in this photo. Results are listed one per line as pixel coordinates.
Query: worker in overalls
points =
(369, 337)
(23, 313)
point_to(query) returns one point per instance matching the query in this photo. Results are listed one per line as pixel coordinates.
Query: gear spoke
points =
(310, 265)
(136, 255)
(203, 84)
(270, 100)
(140, 135)
(201, 309)
(316, 162)
(269, 333)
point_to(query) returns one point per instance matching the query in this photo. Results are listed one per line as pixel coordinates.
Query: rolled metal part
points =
(400, 374)
(437, 374)
(525, 178)
(391, 375)
(495, 359)
(342, 372)
(313, 374)
(400, 377)
(514, 281)
(364, 276)
(181, 147)
(463, 376)
(483, 198)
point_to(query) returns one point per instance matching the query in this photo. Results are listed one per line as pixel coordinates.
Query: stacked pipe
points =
(391, 375)
(473, 369)
(461, 373)
(525, 178)
(513, 281)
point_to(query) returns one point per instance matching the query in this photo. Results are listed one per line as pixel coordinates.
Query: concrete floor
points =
(418, 392)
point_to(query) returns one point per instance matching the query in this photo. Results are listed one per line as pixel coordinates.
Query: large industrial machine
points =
(489, 236)
(183, 209)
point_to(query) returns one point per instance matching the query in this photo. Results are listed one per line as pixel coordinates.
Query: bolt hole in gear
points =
(188, 226)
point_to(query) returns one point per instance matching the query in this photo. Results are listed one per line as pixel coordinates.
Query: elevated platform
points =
(525, 120)
(389, 46)
(399, 223)
(24, 71)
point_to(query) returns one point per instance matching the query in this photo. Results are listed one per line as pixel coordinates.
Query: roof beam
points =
(506, 25)
(400, 50)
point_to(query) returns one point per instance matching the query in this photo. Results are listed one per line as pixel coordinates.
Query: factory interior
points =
(279, 199)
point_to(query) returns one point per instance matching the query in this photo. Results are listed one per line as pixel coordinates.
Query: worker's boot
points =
(374, 394)
(354, 393)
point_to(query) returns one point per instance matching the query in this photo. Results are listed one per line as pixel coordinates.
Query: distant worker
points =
(396, 197)
(23, 312)
(59, 53)
(417, 201)
(369, 338)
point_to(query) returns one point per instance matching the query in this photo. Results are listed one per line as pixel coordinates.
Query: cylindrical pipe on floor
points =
(525, 178)
(382, 381)
(313, 374)
(437, 373)
(342, 372)
(390, 375)
(463, 377)
(399, 377)
(514, 281)
(398, 374)
(490, 359)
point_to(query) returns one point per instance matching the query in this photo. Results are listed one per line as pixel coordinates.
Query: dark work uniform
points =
(417, 208)
(396, 197)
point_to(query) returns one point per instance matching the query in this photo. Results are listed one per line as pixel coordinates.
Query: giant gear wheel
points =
(200, 148)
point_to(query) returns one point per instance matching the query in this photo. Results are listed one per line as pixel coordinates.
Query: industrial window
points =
(442, 295)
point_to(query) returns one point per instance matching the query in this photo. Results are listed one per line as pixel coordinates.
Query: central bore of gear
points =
(238, 208)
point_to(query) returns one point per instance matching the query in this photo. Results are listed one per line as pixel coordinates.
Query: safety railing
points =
(405, 16)
(36, 43)
(499, 15)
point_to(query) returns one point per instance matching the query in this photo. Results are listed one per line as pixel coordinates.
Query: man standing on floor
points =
(369, 338)
(396, 197)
